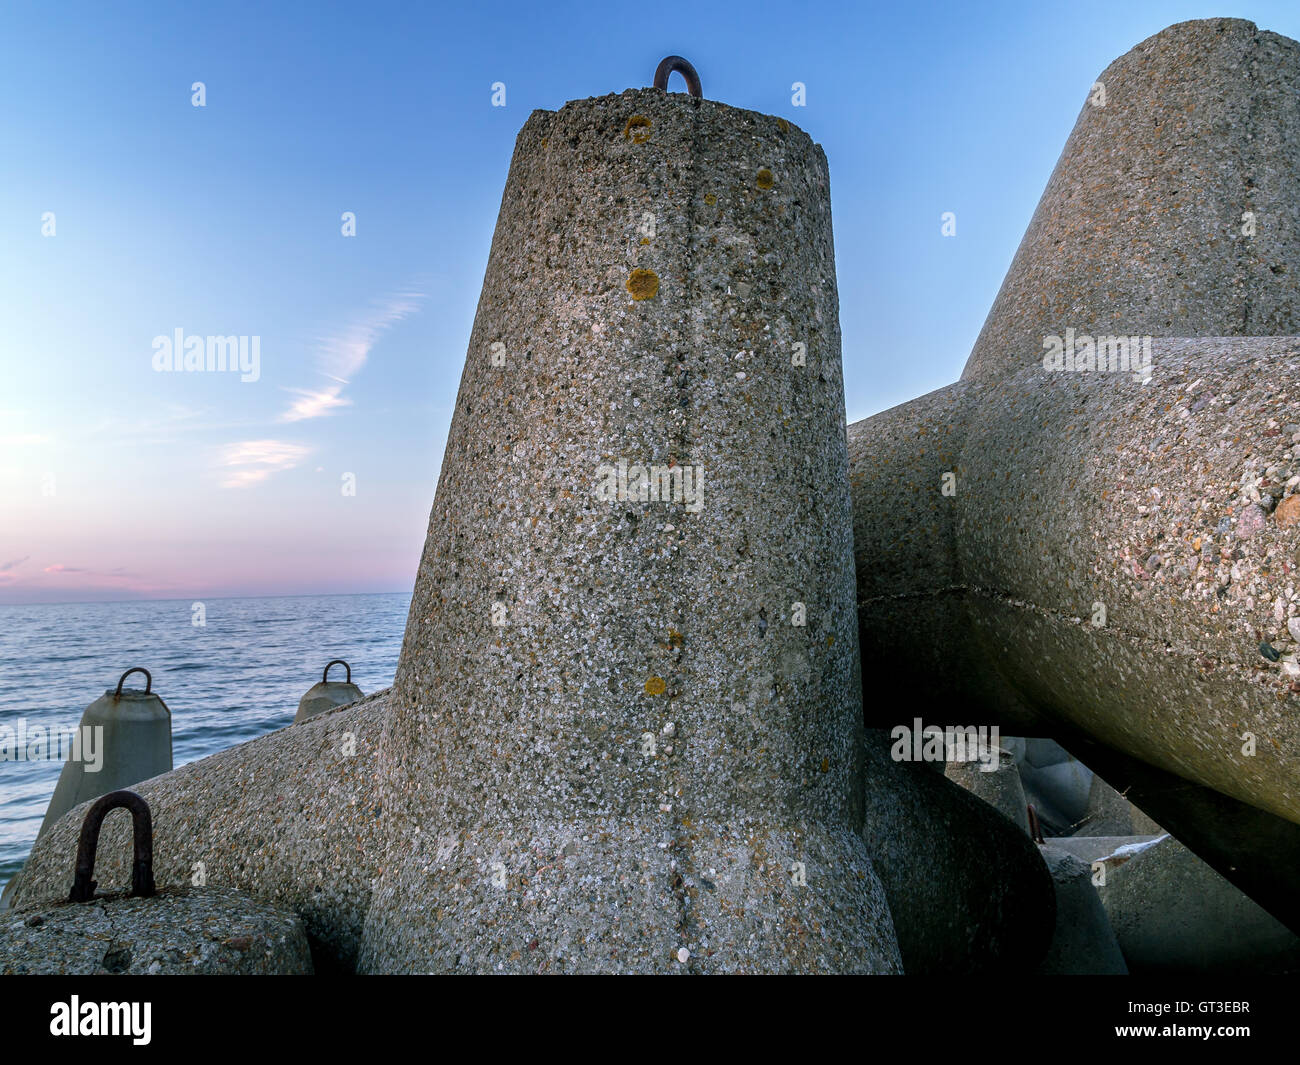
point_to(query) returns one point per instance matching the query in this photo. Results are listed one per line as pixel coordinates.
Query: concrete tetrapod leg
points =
(1096, 554)
(1084, 943)
(998, 785)
(967, 889)
(178, 932)
(626, 725)
(1172, 913)
(134, 730)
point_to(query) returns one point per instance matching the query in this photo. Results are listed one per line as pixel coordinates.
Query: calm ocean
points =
(239, 676)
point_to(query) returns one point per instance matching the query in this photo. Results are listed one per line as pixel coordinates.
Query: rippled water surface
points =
(238, 676)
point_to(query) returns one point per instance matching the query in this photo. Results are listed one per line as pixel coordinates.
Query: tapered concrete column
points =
(626, 731)
(1172, 211)
(1076, 540)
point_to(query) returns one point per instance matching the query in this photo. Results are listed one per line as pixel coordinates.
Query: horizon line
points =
(193, 599)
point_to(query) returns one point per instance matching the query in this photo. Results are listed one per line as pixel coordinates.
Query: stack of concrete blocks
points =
(1107, 550)
(625, 734)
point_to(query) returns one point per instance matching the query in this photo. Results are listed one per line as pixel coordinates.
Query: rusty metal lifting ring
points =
(1035, 832)
(337, 662)
(677, 63)
(148, 680)
(142, 885)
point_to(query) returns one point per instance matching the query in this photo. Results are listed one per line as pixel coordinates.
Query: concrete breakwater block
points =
(626, 730)
(1107, 544)
(1055, 782)
(1195, 230)
(292, 817)
(967, 890)
(1172, 912)
(130, 731)
(327, 694)
(998, 786)
(1083, 943)
(178, 932)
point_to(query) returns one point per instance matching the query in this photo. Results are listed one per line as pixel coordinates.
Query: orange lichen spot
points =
(765, 180)
(655, 686)
(675, 638)
(643, 284)
(637, 129)
(710, 199)
(546, 141)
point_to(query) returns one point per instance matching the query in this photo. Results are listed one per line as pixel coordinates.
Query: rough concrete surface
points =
(292, 817)
(1083, 943)
(1139, 230)
(553, 634)
(1106, 554)
(1172, 912)
(967, 890)
(178, 932)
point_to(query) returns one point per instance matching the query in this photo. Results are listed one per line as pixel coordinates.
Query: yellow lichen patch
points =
(645, 240)
(765, 179)
(783, 125)
(643, 284)
(710, 199)
(826, 765)
(546, 141)
(637, 129)
(655, 686)
(675, 638)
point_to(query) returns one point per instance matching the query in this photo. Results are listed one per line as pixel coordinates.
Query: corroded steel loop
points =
(142, 885)
(677, 63)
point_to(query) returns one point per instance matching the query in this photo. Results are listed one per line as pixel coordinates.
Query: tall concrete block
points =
(1085, 554)
(999, 787)
(1083, 943)
(626, 735)
(1184, 142)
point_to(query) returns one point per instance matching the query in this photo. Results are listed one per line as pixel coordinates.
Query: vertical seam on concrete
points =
(1248, 254)
(690, 338)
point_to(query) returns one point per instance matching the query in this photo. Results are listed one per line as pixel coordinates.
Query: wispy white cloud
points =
(250, 461)
(343, 354)
(5, 567)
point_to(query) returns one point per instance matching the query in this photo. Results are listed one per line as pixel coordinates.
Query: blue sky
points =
(120, 482)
